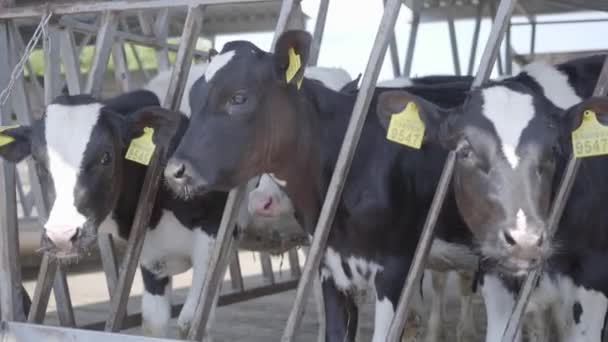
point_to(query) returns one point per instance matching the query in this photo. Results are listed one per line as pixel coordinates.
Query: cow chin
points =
(79, 248)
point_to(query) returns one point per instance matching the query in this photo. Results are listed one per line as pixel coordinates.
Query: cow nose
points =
(526, 239)
(176, 170)
(261, 205)
(62, 236)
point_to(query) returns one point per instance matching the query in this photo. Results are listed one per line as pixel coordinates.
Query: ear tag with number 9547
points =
(406, 128)
(590, 138)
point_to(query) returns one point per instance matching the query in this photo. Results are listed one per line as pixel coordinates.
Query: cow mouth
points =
(517, 267)
(79, 248)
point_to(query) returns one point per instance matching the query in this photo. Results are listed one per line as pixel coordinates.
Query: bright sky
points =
(352, 24)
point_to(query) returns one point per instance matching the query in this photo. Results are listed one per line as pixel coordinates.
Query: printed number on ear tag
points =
(141, 149)
(590, 138)
(406, 128)
(5, 139)
(295, 63)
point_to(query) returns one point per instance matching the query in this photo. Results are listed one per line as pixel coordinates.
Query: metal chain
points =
(18, 70)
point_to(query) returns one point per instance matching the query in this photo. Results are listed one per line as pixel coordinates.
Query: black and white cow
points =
(79, 146)
(247, 120)
(512, 139)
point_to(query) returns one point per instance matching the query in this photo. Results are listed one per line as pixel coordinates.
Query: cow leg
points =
(499, 302)
(341, 313)
(588, 314)
(466, 323)
(200, 255)
(156, 304)
(434, 329)
(389, 283)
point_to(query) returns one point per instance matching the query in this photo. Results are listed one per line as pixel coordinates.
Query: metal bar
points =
(559, 204)
(505, 9)
(100, 6)
(42, 292)
(217, 264)
(25, 116)
(475, 39)
(580, 5)
(175, 91)
(103, 47)
(411, 43)
(71, 62)
(561, 22)
(10, 272)
(77, 26)
(161, 31)
(109, 261)
(317, 37)
(508, 52)
(533, 40)
(422, 251)
(294, 263)
(17, 39)
(236, 276)
(394, 52)
(121, 70)
(347, 151)
(52, 70)
(453, 43)
(26, 204)
(63, 300)
(118, 302)
(488, 59)
(267, 271)
(286, 9)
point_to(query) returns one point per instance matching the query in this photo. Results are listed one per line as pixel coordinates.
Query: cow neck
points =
(321, 120)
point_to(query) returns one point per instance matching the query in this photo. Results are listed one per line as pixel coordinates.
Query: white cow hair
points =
(160, 83)
(217, 63)
(510, 112)
(332, 78)
(398, 82)
(67, 132)
(554, 83)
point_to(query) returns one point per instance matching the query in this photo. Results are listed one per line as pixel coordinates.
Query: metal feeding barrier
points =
(59, 45)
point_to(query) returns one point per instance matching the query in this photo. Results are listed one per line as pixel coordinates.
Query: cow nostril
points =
(508, 238)
(75, 236)
(268, 204)
(541, 239)
(179, 171)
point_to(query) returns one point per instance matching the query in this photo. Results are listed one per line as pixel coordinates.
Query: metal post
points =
(236, 276)
(63, 300)
(175, 91)
(42, 293)
(454, 43)
(317, 36)
(294, 263)
(267, 271)
(109, 262)
(411, 43)
(161, 31)
(533, 39)
(103, 47)
(71, 63)
(10, 272)
(394, 52)
(52, 70)
(286, 8)
(475, 39)
(347, 151)
(508, 52)
(121, 69)
(559, 204)
(217, 264)
(488, 59)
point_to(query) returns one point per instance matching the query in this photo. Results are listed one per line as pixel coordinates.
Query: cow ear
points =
(351, 87)
(164, 122)
(291, 56)
(15, 143)
(132, 101)
(395, 102)
(574, 115)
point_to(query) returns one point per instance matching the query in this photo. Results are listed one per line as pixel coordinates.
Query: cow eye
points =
(105, 158)
(238, 99)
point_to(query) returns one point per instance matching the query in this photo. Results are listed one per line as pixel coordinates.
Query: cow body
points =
(294, 132)
(512, 140)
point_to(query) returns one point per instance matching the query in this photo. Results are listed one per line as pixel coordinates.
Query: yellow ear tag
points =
(295, 63)
(5, 139)
(141, 149)
(406, 128)
(590, 138)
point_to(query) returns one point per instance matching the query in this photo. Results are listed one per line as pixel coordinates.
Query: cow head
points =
(244, 116)
(78, 146)
(510, 144)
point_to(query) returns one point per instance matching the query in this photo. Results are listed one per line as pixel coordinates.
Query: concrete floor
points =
(256, 320)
